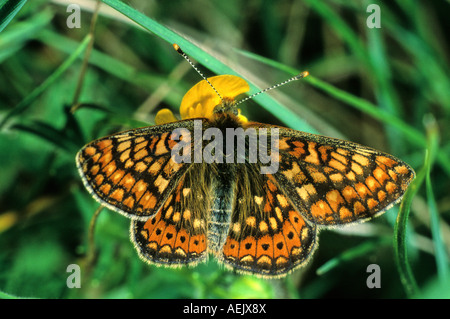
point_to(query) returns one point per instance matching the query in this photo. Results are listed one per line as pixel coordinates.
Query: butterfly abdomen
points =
(221, 209)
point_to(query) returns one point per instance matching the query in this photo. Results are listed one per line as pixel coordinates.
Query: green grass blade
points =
(209, 61)
(439, 246)
(26, 102)
(351, 254)
(8, 11)
(400, 241)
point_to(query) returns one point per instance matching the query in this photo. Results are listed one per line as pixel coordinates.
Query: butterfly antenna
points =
(184, 55)
(294, 78)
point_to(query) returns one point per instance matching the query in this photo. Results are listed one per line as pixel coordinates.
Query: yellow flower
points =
(201, 99)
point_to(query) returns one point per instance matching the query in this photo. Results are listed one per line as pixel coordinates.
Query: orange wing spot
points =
(117, 176)
(280, 248)
(264, 262)
(360, 159)
(96, 157)
(334, 199)
(139, 139)
(182, 240)
(268, 204)
(305, 192)
(263, 227)
(246, 247)
(345, 213)
(117, 194)
(140, 145)
(336, 178)
(386, 161)
(155, 167)
(265, 246)
(282, 200)
(393, 175)
(251, 221)
(357, 168)
(141, 154)
(380, 175)
(105, 188)
(299, 145)
(140, 167)
(271, 186)
(129, 163)
(95, 169)
(342, 151)
(291, 236)
(391, 187)
(351, 176)
(187, 215)
(110, 168)
(273, 223)
(99, 179)
(169, 236)
(372, 203)
(162, 183)
(321, 210)
(337, 165)
(283, 145)
(349, 194)
(161, 146)
(313, 156)
(123, 146)
(293, 172)
(105, 159)
(156, 230)
(168, 201)
(231, 249)
(176, 217)
(362, 190)
(129, 201)
(358, 208)
(127, 182)
(139, 188)
(296, 220)
(125, 156)
(148, 201)
(372, 184)
(402, 169)
(236, 228)
(197, 244)
(90, 151)
(323, 152)
(104, 144)
(168, 213)
(381, 196)
(339, 157)
(317, 176)
(279, 214)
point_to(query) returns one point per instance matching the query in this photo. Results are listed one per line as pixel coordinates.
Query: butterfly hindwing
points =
(177, 234)
(267, 235)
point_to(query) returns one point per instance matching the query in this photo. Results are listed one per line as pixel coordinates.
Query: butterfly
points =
(257, 222)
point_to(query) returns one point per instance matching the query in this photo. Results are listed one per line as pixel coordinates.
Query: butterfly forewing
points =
(133, 172)
(334, 182)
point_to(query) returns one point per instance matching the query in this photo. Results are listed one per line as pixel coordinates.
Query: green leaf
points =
(8, 11)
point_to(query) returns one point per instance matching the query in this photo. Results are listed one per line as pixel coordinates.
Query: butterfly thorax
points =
(228, 106)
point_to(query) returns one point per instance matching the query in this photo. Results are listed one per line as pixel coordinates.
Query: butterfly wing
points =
(177, 234)
(333, 182)
(267, 235)
(134, 172)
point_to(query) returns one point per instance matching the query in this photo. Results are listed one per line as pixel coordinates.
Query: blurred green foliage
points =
(372, 86)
